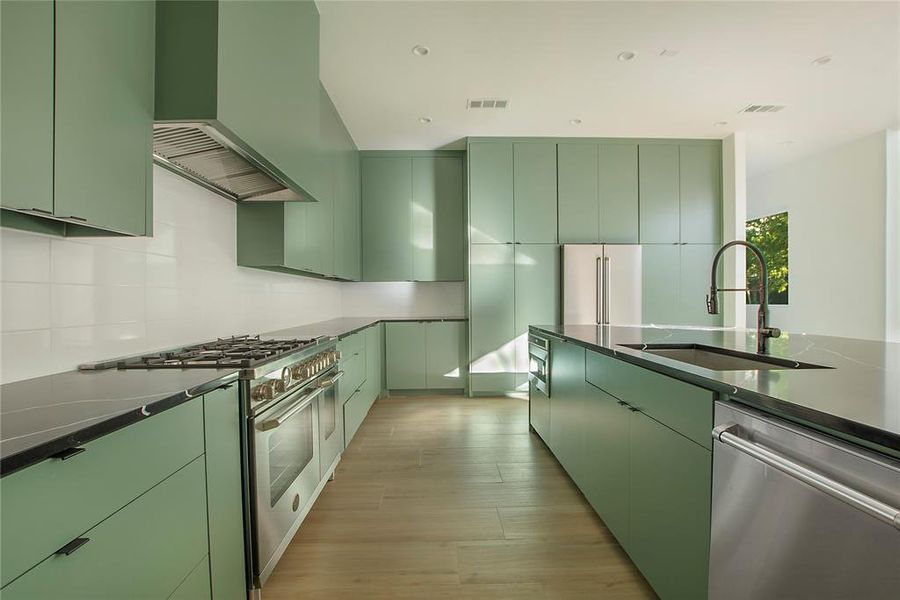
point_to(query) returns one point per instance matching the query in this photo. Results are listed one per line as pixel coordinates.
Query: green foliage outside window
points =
(771, 235)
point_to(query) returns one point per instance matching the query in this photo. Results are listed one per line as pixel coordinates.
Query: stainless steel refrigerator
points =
(601, 284)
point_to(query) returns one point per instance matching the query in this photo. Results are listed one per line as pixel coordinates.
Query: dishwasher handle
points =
(726, 434)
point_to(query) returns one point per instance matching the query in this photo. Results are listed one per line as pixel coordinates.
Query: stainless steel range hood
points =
(213, 158)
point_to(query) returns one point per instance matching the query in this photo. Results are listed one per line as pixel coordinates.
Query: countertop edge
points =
(859, 433)
(26, 458)
(378, 320)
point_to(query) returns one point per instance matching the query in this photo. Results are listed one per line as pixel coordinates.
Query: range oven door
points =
(331, 423)
(285, 472)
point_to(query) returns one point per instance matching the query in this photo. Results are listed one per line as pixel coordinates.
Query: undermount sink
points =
(720, 359)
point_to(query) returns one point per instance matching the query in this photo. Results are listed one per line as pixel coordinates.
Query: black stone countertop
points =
(345, 326)
(858, 398)
(45, 415)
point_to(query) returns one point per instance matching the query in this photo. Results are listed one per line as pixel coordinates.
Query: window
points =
(771, 235)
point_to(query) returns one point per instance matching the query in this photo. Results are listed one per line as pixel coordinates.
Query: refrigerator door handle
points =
(600, 290)
(606, 283)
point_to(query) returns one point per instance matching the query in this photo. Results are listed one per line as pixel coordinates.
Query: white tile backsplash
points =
(74, 300)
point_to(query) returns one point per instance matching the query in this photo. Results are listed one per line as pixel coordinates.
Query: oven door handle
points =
(291, 410)
(327, 383)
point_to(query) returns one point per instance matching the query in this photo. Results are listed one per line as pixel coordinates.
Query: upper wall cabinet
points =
(412, 216)
(252, 70)
(680, 193)
(78, 81)
(512, 192)
(598, 193)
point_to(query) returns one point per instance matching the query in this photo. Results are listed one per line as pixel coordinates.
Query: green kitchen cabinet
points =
(534, 192)
(386, 218)
(568, 428)
(26, 101)
(606, 450)
(536, 293)
(251, 68)
(78, 81)
(579, 193)
(224, 492)
(492, 323)
(700, 179)
(659, 194)
(405, 362)
(438, 230)
(144, 550)
(490, 192)
(412, 205)
(445, 355)
(695, 262)
(196, 585)
(48, 504)
(598, 193)
(669, 521)
(675, 284)
(347, 211)
(374, 385)
(274, 236)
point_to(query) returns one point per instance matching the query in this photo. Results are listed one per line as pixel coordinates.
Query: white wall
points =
(892, 236)
(734, 222)
(836, 225)
(402, 299)
(67, 301)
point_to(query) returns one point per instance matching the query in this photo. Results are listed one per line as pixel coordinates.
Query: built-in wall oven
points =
(539, 384)
(294, 437)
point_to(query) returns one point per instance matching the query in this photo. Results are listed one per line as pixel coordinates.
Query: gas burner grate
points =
(232, 352)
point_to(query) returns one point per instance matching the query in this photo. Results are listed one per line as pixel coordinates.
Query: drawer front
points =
(681, 406)
(353, 344)
(355, 411)
(354, 368)
(45, 506)
(143, 551)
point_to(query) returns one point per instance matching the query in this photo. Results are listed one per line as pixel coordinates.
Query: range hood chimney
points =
(208, 157)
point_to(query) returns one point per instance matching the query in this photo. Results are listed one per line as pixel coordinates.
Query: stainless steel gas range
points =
(293, 436)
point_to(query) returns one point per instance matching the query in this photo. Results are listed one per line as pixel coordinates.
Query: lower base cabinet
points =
(196, 585)
(424, 355)
(145, 550)
(650, 483)
(368, 349)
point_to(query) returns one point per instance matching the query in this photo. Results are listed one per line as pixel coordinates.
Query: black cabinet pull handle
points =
(72, 546)
(68, 453)
(77, 218)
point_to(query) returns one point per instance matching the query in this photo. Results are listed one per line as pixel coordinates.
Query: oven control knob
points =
(336, 355)
(285, 382)
(264, 391)
(301, 372)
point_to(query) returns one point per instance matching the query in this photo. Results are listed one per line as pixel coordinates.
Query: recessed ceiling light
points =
(821, 61)
(720, 123)
(626, 55)
(575, 121)
(421, 50)
(669, 53)
(424, 120)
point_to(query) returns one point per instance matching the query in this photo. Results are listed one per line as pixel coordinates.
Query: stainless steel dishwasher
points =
(799, 515)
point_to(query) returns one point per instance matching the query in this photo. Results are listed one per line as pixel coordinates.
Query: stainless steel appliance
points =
(539, 384)
(293, 436)
(796, 514)
(601, 284)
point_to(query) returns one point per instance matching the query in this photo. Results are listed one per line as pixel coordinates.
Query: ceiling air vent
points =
(488, 103)
(762, 108)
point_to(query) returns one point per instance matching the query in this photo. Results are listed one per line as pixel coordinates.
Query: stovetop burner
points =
(238, 351)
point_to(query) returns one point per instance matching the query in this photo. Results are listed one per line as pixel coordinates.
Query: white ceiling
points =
(556, 61)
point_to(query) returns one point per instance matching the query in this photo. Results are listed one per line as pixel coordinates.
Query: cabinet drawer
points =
(355, 411)
(45, 506)
(144, 550)
(685, 408)
(353, 344)
(354, 368)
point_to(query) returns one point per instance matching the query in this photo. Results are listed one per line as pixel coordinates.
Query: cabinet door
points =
(347, 215)
(537, 293)
(224, 491)
(386, 199)
(490, 192)
(567, 425)
(321, 232)
(579, 206)
(492, 324)
(145, 550)
(196, 585)
(26, 98)
(374, 361)
(693, 286)
(445, 355)
(659, 189)
(618, 193)
(539, 412)
(700, 169)
(670, 491)
(660, 281)
(405, 346)
(534, 185)
(104, 113)
(437, 219)
(607, 454)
